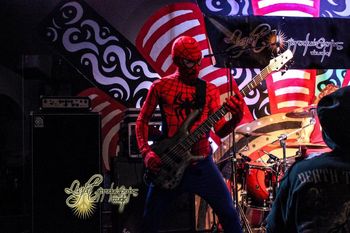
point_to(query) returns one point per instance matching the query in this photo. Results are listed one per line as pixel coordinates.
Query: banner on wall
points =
(249, 41)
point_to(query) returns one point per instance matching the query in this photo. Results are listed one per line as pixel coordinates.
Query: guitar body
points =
(175, 158)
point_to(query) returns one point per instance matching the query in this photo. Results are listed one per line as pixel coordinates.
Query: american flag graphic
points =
(305, 8)
(112, 113)
(291, 89)
(155, 39)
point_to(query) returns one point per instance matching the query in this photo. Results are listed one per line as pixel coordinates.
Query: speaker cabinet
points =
(65, 147)
(129, 172)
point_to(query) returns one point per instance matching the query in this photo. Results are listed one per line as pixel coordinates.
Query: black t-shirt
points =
(314, 197)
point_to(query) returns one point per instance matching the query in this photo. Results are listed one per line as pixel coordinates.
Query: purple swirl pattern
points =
(335, 8)
(226, 7)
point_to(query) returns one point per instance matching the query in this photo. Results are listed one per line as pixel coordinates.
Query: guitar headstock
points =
(278, 62)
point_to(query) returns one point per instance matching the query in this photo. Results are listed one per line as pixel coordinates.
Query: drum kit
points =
(262, 153)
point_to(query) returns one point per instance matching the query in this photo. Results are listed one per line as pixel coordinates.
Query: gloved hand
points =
(235, 105)
(152, 161)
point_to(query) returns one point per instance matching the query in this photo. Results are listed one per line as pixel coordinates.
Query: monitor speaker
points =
(65, 147)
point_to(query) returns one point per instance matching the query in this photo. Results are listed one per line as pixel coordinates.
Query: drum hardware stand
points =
(234, 178)
(214, 226)
(282, 140)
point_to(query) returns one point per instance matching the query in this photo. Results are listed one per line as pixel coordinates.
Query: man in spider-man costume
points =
(176, 96)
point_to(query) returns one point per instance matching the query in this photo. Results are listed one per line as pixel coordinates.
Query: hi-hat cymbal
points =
(302, 112)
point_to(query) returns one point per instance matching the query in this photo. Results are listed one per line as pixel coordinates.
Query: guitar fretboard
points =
(204, 128)
(255, 81)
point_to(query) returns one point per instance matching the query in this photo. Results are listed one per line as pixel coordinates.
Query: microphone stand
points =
(233, 153)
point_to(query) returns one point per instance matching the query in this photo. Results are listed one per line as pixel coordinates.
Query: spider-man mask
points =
(187, 57)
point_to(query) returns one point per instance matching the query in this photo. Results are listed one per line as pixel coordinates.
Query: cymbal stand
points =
(282, 140)
(234, 185)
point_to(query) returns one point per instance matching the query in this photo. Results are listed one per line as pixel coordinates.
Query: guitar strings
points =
(201, 130)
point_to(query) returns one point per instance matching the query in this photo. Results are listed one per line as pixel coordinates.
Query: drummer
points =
(313, 134)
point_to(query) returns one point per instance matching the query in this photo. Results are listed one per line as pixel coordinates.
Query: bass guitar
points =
(175, 153)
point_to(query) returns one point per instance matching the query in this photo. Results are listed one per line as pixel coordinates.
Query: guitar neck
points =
(256, 81)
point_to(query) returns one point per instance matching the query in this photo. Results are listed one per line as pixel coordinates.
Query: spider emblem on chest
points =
(183, 106)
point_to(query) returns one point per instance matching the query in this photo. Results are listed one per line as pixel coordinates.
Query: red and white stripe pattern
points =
(346, 81)
(291, 89)
(112, 113)
(157, 35)
(303, 8)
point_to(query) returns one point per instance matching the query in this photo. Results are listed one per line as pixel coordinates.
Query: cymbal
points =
(302, 145)
(252, 134)
(306, 145)
(303, 114)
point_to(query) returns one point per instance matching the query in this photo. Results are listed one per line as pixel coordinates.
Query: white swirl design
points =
(96, 29)
(91, 59)
(138, 103)
(346, 11)
(109, 70)
(332, 2)
(217, 5)
(234, 7)
(254, 100)
(245, 8)
(73, 47)
(340, 73)
(211, 7)
(145, 69)
(55, 24)
(247, 78)
(144, 85)
(79, 12)
(255, 97)
(52, 33)
(254, 114)
(118, 93)
(114, 51)
(264, 102)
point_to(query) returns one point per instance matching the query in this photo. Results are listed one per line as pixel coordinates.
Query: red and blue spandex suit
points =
(176, 96)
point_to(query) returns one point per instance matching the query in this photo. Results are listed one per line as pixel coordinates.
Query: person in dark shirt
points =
(314, 195)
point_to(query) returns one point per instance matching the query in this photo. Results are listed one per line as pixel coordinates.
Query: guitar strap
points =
(201, 89)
